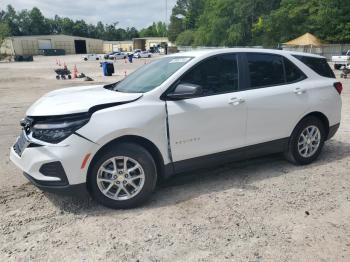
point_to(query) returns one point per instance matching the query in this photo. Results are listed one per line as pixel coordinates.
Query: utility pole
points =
(166, 17)
(166, 12)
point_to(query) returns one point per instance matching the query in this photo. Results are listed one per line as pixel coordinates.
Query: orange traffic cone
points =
(75, 71)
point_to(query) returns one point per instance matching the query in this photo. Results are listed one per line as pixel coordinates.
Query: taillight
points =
(339, 87)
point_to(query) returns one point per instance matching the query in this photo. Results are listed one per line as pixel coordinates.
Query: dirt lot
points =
(258, 210)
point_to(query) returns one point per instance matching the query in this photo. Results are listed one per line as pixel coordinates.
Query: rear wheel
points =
(306, 142)
(123, 177)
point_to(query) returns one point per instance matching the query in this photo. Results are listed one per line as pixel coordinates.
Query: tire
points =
(136, 155)
(296, 156)
(69, 77)
(97, 58)
(85, 59)
(337, 67)
(58, 77)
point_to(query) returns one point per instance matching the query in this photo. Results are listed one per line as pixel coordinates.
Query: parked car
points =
(107, 56)
(93, 57)
(180, 112)
(118, 55)
(341, 61)
(143, 54)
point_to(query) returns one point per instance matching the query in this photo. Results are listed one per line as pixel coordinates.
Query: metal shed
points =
(31, 45)
(146, 43)
(114, 46)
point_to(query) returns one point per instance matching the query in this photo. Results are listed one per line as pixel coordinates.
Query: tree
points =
(185, 38)
(185, 16)
(32, 22)
(230, 22)
(155, 30)
(4, 32)
(37, 23)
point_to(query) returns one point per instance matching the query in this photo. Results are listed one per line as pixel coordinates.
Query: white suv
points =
(178, 113)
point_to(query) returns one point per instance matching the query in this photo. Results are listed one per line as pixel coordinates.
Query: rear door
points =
(276, 97)
(214, 121)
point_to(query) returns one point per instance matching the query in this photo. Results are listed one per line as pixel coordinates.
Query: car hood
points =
(77, 100)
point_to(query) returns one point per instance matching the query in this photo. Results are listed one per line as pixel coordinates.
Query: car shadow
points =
(241, 175)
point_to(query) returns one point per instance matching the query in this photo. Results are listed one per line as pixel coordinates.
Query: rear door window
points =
(265, 70)
(319, 65)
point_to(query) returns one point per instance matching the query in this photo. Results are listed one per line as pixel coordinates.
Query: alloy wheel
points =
(309, 141)
(120, 178)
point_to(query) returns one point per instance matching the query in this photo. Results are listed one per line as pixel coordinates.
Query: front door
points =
(215, 120)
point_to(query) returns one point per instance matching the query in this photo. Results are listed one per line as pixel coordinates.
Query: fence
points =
(325, 50)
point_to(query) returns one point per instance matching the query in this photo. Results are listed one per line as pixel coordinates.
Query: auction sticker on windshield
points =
(180, 60)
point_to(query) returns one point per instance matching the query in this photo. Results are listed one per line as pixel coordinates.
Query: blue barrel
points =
(105, 68)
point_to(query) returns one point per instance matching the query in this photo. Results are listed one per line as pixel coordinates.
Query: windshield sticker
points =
(180, 60)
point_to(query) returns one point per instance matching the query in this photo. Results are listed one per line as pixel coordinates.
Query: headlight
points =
(56, 130)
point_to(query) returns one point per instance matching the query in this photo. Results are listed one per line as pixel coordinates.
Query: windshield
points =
(151, 75)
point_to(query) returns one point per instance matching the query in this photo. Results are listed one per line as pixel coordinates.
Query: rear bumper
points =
(74, 190)
(332, 131)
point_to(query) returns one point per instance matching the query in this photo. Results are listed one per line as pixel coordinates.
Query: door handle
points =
(299, 91)
(236, 101)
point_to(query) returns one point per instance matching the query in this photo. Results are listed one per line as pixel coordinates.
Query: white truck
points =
(340, 61)
(91, 57)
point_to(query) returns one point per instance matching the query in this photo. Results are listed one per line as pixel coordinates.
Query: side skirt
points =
(276, 146)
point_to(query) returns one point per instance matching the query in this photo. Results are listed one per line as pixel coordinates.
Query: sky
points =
(128, 13)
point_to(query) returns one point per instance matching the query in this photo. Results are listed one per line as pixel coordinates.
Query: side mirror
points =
(184, 91)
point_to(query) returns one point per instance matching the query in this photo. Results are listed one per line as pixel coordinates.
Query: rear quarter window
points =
(293, 73)
(319, 65)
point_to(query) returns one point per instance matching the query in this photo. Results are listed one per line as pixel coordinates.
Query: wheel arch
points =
(321, 116)
(141, 141)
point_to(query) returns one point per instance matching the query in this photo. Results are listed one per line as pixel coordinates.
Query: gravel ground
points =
(256, 210)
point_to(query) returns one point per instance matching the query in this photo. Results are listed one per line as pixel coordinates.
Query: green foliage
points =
(32, 22)
(185, 16)
(156, 29)
(4, 32)
(185, 38)
(259, 22)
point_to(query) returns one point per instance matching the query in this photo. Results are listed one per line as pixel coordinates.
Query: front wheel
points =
(124, 176)
(306, 142)
(337, 67)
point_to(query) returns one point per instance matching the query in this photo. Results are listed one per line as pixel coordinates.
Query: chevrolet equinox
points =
(180, 112)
